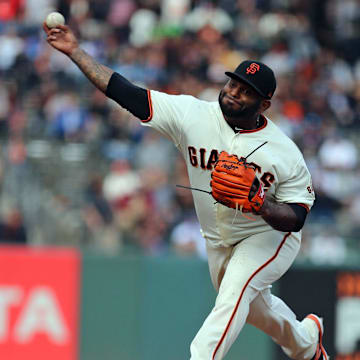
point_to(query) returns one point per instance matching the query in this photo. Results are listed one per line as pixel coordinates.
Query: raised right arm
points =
(64, 40)
(98, 74)
(131, 97)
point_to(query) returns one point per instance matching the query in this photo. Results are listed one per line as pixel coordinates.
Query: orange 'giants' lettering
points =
(192, 156)
(202, 158)
(267, 179)
(212, 159)
(199, 157)
(205, 165)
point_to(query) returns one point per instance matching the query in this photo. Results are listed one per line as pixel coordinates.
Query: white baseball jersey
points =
(200, 132)
(260, 255)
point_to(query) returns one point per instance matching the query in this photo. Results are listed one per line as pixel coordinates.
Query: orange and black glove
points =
(235, 185)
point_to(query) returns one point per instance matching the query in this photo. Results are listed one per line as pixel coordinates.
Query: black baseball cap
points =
(257, 75)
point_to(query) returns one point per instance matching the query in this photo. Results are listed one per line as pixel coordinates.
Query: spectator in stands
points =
(313, 47)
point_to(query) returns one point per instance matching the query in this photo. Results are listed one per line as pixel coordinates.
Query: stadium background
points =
(78, 172)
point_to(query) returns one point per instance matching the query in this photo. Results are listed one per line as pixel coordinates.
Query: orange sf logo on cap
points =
(253, 68)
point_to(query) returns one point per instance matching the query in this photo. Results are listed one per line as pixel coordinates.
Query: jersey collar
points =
(265, 122)
(224, 126)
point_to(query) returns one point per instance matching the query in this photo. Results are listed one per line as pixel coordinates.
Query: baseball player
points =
(255, 193)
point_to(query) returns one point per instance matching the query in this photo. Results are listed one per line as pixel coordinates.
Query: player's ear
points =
(265, 104)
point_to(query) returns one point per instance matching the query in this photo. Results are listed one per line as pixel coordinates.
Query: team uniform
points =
(253, 254)
(245, 254)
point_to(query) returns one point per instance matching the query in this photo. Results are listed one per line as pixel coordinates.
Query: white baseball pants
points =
(247, 271)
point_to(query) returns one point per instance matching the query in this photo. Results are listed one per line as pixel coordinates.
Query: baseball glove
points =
(235, 185)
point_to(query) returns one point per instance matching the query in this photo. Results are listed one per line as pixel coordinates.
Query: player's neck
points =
(244, 123)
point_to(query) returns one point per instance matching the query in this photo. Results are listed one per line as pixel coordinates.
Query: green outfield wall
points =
(63, 304)
(148, 308)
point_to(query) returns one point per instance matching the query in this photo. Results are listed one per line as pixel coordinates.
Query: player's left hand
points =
(235, 185)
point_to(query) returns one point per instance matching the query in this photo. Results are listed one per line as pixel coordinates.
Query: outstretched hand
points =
(61, 38)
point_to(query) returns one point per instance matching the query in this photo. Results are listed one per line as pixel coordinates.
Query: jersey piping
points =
(150, 107)
(263, 126)
(304, 206)
(242, 293)
(257, 129)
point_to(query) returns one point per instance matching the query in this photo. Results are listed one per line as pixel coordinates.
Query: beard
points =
(242, 112)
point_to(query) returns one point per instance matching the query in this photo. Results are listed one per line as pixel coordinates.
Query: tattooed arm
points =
(64, 40)
(131, 97)
(98, 74)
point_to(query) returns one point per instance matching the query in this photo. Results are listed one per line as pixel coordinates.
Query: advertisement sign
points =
(38, 303)
(347, 316)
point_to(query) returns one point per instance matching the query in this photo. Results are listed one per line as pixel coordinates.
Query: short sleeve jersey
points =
(200, 132)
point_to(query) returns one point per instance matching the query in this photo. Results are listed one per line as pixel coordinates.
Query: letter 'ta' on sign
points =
(41, 314)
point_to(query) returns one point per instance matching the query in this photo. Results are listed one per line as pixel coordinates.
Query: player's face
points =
(239, 100)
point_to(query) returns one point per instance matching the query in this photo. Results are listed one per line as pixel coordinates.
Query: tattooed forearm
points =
(98, 74)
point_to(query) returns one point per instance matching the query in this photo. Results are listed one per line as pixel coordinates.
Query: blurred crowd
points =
(76, 169)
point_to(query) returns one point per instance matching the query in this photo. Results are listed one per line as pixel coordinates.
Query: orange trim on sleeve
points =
(150, 107)
(304, 206)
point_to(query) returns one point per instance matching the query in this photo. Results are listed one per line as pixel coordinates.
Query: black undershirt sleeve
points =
(301, 214)
(131, 97)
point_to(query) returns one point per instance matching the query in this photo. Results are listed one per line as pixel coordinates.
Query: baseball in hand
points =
(54, 19)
